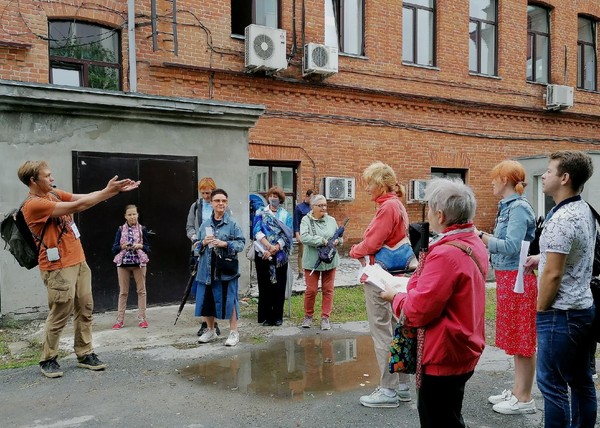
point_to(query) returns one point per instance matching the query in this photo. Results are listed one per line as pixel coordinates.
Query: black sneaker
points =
(90, 361)
(203, 329)
(51, 368)
(217, 330)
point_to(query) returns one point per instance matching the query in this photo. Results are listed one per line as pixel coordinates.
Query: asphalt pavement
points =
(275, 377)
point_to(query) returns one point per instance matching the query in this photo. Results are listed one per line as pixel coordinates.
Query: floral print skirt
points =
(515, 314)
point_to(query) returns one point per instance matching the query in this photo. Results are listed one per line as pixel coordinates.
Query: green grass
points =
(28, 355)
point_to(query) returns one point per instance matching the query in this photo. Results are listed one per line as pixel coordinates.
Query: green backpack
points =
(19, 240)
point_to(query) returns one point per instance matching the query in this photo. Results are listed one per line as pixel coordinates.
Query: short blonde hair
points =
(316, 198)
(381, 174)
(31, 169)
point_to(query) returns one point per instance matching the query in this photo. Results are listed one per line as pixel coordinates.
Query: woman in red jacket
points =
(446, 297)
(388, 228)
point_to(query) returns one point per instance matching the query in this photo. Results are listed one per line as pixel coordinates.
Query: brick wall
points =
(375, 108)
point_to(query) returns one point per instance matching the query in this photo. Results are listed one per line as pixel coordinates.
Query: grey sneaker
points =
(378, 399)
(90, 362)
(515, 407)
(50, 368)
(307, 322)
(325, 325)
(403, 394)
(233, 339)
(208, 336)
(505, 396)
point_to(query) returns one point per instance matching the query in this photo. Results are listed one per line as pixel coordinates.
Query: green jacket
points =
(313, 234)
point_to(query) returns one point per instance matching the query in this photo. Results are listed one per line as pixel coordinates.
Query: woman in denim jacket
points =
(217, 292)
(515, 310)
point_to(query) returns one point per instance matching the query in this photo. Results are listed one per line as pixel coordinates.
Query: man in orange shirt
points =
(63, 268)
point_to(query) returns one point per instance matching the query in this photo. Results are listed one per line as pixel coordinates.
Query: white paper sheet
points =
(379, 277)
(519, 287)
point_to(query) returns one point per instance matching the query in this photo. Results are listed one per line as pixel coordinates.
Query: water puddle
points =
(295, 368)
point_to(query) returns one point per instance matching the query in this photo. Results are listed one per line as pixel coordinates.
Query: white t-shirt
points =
(572, 231)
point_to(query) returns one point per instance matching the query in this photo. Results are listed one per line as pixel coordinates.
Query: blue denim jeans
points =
(563, 362)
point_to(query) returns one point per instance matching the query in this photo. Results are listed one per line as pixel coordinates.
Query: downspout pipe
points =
(131, 40)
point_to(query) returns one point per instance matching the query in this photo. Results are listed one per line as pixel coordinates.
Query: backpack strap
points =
(469, 251)
(594, 212)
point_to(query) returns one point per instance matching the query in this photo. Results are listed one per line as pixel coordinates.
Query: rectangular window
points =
(586, 54)
(538, 44)
(482, 37)
(259, 12)
(84, 55)
(264, 175)
(345, 25)
(418, 32)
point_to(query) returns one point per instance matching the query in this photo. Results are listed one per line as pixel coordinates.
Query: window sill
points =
(14, 45)
(238, 36)
(531, 82)
(589, 91)
(349, 55)
(428, 67)
(484, 75)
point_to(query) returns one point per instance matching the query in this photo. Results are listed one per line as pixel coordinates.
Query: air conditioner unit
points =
(338, 188)
(265, 49)
(416, 191)
(559, 97)
(319, 59)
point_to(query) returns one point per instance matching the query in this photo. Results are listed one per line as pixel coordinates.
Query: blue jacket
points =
(515, 223)
(301, 210)
(227, 230)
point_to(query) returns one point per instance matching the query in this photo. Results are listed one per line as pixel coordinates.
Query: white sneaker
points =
(514, 407)
(233, 339)
(403, 394)
(505, 396)
(208, 336)
(378, 399)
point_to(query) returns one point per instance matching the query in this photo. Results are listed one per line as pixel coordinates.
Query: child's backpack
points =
(18, 238)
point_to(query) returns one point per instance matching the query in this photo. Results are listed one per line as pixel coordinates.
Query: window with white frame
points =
(586, 53)
(84, 54)
(482, 37)
(259, 12)
(418, 32)
(344, 25)
(538, 44)
(264, 175)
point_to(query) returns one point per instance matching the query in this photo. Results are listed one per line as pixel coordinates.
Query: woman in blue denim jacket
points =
(515, 308)
(216, 291)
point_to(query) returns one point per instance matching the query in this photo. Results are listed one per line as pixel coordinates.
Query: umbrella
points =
(329, 248)
(186, 292)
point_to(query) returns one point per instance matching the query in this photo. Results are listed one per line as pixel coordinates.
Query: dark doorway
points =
(168, 189)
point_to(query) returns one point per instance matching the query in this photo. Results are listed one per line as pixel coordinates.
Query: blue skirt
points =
(222, 296)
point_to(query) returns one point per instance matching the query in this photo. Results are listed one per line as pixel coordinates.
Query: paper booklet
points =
(379, 277)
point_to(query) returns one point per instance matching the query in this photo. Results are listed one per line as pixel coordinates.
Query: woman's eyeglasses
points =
(321, 205)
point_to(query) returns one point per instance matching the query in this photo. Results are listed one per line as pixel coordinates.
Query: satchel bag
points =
(403, 349)
(226, 265)
(396, 259)
(326, 253)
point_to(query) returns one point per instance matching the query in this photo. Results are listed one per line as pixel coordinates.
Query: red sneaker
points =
(118, 325)
(143, 324)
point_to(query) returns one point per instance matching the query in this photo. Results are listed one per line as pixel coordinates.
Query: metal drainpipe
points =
(131, 39)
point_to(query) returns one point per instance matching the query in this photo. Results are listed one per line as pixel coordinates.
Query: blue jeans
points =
(564, 361)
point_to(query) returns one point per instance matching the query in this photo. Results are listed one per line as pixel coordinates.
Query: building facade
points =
(434, 88)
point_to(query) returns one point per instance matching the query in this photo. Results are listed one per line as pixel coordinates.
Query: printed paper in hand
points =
(379, 277)
(519, 287)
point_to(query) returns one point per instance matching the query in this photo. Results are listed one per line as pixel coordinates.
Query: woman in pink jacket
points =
(446, 297)
(388, 228)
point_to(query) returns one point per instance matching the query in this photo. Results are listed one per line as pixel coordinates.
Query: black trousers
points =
(440, 401)
(271, 297)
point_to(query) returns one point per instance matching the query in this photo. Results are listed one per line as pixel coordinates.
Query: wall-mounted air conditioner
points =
(559, 97)
(416, 191)
(319, 59)
(338, 188)
(265, 49)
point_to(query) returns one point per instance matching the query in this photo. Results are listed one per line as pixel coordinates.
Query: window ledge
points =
(238, 36)
(531, 82)
(349, 55)
(14, 45)
(589, 91)
(489, 76)
(428, 67)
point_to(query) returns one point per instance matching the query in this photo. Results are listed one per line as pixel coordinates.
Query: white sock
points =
(388, 392)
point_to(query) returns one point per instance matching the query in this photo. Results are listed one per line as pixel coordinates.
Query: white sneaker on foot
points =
(505, 396)
(403, 394)
(378, 399)
(208, 336)
(307, 322)
(515, 407)
(233, 339)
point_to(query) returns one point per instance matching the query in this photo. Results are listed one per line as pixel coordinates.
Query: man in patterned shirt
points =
(565, 303)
